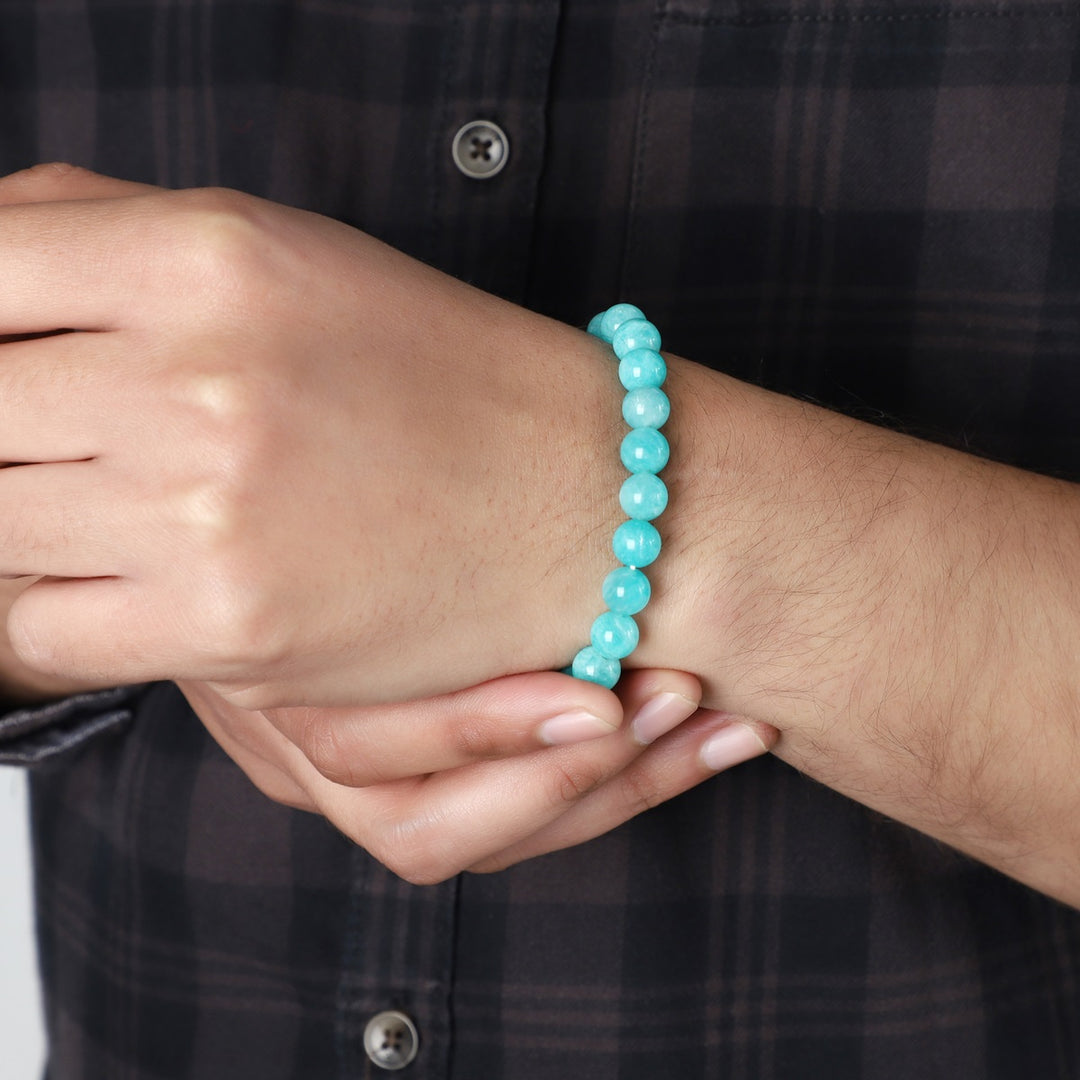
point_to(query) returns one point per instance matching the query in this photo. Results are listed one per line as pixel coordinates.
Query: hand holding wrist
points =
(305, 467)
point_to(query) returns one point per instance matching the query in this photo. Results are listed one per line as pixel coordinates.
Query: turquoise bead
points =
(644, 450)
(626, 591)
(614, 317)
(634, 334)
(646, 407)
(636, 543)
(614, 636)
(592, 667)
(642, 367)
(643, 496)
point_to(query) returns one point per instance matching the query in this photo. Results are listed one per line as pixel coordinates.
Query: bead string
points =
(643, 497)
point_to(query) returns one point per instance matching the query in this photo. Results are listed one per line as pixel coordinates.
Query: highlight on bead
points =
(644, 496)
(644, 450)
(626, 590)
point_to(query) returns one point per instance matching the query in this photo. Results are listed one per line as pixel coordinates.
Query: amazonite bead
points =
(636, 543)
(644, 450)
(635, 334)
(614, 635)
(646, 407)
(615, 316)
(643, 496)
(591, 666)
(642, 367)
(626, 591)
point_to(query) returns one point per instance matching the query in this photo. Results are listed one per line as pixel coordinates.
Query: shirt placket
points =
(487, 144)
(393, 1004)
(485, 156)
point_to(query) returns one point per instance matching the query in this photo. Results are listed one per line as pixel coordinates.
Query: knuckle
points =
(427, 872)
(235, 417)
(214, 517)
(319, 743)
(221, 246)
(233, 427)
(320, 740)
(476, 741)
(31, 646)
(237, 635)
(52, 172)
(571, 782)
(37, 635)
(207, 515)
(638, 793)
(413, 858)
(221, 396)
(232, 411)
(231, 611)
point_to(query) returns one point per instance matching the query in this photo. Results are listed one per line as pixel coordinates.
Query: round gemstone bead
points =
(634, 334)
(592, 667)
(614, 317)
(626, 591)
(643, 496)
(614, 635)
(644, 450)
(636, 543)
(647, 406)
(642, 367)
(594, 325)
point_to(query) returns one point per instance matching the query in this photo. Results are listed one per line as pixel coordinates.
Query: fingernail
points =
(731, 745)
(573, 727)
(659, 715)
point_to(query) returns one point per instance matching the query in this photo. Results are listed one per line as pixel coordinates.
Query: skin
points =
(903, 615)
(473, 779)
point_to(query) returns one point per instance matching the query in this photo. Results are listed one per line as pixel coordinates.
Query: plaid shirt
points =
(874, 203)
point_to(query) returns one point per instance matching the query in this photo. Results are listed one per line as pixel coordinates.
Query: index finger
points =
(502, 718)
(76, 248)
(57, 181)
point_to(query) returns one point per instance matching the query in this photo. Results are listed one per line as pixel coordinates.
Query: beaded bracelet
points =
(643, 497)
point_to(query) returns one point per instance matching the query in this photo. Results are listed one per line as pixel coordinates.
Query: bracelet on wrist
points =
(643, 496)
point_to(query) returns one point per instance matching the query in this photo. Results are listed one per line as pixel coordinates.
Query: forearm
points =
(906, 615)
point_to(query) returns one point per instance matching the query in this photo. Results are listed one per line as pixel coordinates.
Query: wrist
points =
(680, 628)
(766, 590)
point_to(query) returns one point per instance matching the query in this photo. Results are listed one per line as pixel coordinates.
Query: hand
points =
(244, 475)
(472, 780)
(20, 685)
(272, 454)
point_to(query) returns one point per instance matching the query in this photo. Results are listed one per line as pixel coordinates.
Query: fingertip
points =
(643, 683)
(657, 700)
(542, 695)
(737, 740)
(659, 715)
(574, 727)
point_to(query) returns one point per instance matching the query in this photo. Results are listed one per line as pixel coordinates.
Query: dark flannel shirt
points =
(871, 203)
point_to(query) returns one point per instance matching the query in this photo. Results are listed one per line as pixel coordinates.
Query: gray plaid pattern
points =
(873, 203)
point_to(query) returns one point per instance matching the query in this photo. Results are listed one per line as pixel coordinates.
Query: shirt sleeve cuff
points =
(35, 734)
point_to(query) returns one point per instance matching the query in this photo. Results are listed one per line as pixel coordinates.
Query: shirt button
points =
(480, 149)
(391, 1040)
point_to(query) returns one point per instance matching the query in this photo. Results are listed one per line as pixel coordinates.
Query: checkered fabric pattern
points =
(871, 203)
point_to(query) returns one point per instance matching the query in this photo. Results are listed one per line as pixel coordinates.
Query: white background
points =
(22, 1043)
